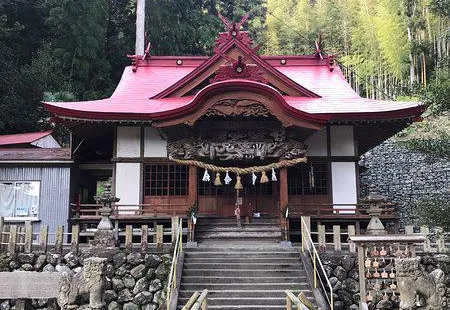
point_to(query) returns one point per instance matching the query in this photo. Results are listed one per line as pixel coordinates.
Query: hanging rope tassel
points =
(312, 181)
(206, 177)
(274, 175)
(254, 177)
(227, 179)
(238, 184)
(264, 178)
(217, 181)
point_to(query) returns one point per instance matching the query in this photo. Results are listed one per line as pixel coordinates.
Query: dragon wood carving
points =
(238, 145)
(238, 107)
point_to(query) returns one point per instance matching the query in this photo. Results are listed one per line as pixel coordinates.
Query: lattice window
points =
(308, 179)
(166, 180)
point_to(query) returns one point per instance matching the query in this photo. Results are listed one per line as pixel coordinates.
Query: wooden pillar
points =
(283, 193)
(192, 198)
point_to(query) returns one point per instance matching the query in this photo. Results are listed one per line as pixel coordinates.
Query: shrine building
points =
(179, 131)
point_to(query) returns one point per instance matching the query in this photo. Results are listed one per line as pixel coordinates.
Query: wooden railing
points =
(318, 269)
(302, 304)
(124, 211)
(197, 301)
(353, 211)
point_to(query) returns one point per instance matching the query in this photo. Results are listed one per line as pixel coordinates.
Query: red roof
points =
(157, 88)
(23, 138)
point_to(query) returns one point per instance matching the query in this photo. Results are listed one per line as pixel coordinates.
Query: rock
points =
(131, 306)
(121, 271)
(117, 284)
(155, 285)
(333, 281)
(338, 286)
(157, 298)
(5, 305)
(77, 270)
(348, 262)
(340, 273)
(161, 272)
(27, 267)
(152, 260)
(26, 258)
(119, 259)
(328, 270)
(150, 274)
(108, 284)
(109, 295)
(124, 296)
(139, 271)
(84, 307)
(351, 286)
(13, 265)
(167, 259)
(71, 259)
(134, 259)
(345, 296)
(356, 298)
(338, 305)
(143, 298)
(331, 260)
(371, 305)
(353, 307)
(129, 281)
(149, 307)
(353, 274)
(384, 305)
(110, 271)
(53, 259)
(113, 306)
(141, 285)
(48, 268)
(40, 262)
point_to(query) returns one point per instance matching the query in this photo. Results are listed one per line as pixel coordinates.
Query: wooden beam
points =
(283, 193)
(192, 192)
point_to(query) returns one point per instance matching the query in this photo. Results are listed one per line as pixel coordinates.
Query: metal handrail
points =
(172, 281)
(292, 299)
(316, 260)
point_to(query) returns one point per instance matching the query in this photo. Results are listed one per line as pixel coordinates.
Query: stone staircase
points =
(242, 268)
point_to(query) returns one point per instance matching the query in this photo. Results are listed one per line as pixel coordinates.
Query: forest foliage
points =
(76, 50)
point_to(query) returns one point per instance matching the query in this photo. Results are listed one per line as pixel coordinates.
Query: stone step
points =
(256, 285)
(249, 266)
(244, 259)
(238, 234)
(249, 293)
(262, 301)
(234, 228)
(239, 252)
(244, 280)
(226, 221)
(242, 272)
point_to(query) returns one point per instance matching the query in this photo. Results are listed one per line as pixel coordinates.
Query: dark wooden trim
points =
(152, 160)
(142, 140)
(330, 170)
(193, 186)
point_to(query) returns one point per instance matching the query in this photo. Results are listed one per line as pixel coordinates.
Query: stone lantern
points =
(376, 204)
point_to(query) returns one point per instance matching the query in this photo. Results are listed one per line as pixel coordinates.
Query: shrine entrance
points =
(220, 200)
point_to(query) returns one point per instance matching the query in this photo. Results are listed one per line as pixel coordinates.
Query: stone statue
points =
(90, 280)
(419, 289)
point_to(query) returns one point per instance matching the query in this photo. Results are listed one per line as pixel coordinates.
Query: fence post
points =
(409, 230)
(321, 239)
(129, 238)
(159, 238)
(175, 220)
(144, 238)
(12, 239)
(351, 232)
(425, 231)
(43, 239)
(28, 237)
(440, 240)
(337, 237)
(59, 239)
(75, 238)
(306, 227)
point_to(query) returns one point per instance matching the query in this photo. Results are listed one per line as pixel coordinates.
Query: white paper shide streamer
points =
(274, 175)
(254, 177)
(206, 177)
(227, 179)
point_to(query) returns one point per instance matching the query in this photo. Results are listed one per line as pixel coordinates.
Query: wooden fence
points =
(22, 238)
(337, 238)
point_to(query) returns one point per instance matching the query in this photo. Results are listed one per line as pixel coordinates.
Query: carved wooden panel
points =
(236, 107)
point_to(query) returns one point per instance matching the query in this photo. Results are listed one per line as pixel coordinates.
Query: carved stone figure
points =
(419, 289)
(90, 280)
(238, 145)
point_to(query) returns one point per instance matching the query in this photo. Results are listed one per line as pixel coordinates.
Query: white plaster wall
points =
(317, 143)
(342, 141)
(343, 180)
(128, 142)
(154, 144)
(46, 142)
(127, 185)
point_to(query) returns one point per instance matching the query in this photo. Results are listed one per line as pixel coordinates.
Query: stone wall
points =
(133, 281)
(342, 271)
(403, 175)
